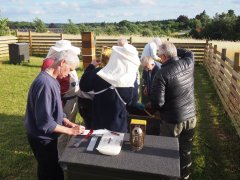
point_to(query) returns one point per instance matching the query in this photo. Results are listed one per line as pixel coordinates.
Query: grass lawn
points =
(216, 151)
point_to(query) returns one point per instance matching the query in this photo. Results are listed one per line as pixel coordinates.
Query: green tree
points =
(83, 28)
(222, 27)
(71, 28)
(127, 27)
(197, 29)
(39, 25)
(52, 25)
(124, 30)
(237, 27)
(147, 32)
(124, 23)
(133, 28)
(110, 30)
(4, 29)
(204, 18)
(21, 25)
(183, 22)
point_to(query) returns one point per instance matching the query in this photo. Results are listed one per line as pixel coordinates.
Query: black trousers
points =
(46, 154)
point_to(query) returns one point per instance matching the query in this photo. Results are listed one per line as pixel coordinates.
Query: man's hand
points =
(72, 131)
(68, 123)
(96, 62)
(76, 130)
(149, 107)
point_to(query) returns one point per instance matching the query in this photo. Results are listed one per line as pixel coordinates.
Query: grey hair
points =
(122, 41)
(168, 49)
(147, 60)
(69, 56)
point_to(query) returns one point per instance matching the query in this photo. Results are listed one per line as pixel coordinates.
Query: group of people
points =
(109, 87)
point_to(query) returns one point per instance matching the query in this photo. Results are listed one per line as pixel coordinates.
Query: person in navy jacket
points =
(45, 120)
(112, 87)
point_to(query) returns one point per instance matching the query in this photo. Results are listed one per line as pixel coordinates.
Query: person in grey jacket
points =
(172, 94)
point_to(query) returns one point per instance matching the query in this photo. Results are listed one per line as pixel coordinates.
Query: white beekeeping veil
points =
(122, 67)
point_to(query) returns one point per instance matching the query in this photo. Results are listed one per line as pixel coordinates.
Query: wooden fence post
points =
(236, 65)
(88, 48)
(224, 53)
(16, 31)
(130, 40)
(206, 52)
(61, 36)
(223, 57)
(215, 49)
(30, 41)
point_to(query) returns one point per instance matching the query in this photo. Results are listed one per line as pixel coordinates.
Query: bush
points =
(4, 29)
(39, 25)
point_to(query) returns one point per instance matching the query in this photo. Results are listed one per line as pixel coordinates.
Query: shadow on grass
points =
(16, 158)
(216, 151)
(31, 65)
(24, 63)
(5, 61)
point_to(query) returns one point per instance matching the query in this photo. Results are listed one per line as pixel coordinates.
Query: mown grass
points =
(216, 151)
(16, 158)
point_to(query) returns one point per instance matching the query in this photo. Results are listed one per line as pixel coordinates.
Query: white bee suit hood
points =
(122, 67)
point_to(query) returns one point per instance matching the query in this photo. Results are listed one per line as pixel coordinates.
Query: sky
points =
(90, 11)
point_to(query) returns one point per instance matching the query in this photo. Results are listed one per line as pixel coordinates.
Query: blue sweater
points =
(108, 110)
(44, 108)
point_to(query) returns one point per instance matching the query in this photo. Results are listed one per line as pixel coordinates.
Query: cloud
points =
(99, 15)
(236, 2)
(220, 2)
(128, 14)
(110, 10)
(19, 1)
(37, 12)
(147, 2)
(102, 2)
(108, 4)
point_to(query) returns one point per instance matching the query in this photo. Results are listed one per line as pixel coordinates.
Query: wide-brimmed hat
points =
(122, 67)
(62, 45)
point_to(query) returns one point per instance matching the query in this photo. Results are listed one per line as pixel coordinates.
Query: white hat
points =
(122, 67)
(158, 42)
(63, 45)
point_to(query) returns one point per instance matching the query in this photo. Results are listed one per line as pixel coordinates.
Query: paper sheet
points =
(96, 132)
(111, 143)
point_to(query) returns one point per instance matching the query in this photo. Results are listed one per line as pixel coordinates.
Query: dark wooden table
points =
(159, 159)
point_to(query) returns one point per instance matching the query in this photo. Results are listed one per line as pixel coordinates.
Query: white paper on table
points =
(96, 132)
(111, 143)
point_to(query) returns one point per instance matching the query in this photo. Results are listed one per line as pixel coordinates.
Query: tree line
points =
(224, 26)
